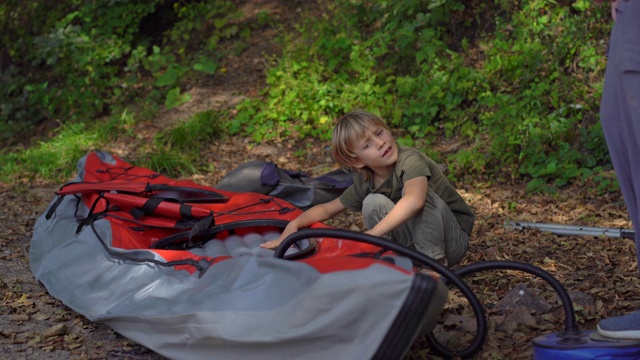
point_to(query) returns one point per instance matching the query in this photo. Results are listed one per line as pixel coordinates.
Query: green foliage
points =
(300, 103)
(167, 162)
(84, 52)
(175, 98)
(517, 84)
(89, 58)
(180, 150)
(21, 24)
(605, 182)
(190, 136)
(548, 98)
(306, 92)
(205, 65)
(174, 152)
(122, 124)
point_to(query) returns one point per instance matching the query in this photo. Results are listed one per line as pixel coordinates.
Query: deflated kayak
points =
(177, 267)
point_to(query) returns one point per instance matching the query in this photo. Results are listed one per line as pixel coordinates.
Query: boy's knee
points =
(458, 249)
(376, 202)
(374, 208)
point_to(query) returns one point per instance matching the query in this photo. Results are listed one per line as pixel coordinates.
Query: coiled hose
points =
(570, 330)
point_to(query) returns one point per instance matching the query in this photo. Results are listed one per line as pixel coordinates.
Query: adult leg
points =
(620, 118)
(620, 107)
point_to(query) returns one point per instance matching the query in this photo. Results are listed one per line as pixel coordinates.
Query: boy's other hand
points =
(272, 244)
(290, 229)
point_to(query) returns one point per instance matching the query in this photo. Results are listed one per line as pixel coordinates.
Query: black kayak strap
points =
(152, 204)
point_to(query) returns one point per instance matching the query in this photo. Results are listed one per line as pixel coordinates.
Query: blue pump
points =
(586, 345)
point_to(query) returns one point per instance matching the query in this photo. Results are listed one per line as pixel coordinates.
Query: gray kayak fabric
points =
(245, 307)
(296, 187)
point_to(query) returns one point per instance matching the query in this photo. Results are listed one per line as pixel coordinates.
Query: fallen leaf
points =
(58, 329)
(19, 317)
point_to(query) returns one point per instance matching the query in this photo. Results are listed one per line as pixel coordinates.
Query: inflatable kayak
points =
(177, 267)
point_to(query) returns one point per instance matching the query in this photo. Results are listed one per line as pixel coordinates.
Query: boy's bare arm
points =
(317, 213)
(415, 195)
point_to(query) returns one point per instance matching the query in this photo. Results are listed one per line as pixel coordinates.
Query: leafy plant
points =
(167, 162)
(191, 135)
(510, 81)
(91, 58)
(175, 98)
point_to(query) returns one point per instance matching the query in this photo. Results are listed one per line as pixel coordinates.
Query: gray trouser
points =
(433, 231)
(620, 107)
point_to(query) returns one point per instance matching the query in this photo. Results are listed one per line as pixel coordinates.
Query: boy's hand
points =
(318, 213)
(273, 243)
(290, 229)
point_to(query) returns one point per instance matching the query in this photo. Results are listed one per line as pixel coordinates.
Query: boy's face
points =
(377, 149)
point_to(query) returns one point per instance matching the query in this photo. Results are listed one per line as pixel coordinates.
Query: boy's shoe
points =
(621, 327)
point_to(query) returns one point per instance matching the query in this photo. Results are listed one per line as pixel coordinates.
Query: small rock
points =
(582, 299)
(522, 297)
(519, 316)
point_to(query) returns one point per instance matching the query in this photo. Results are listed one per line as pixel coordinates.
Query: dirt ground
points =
(600, 272)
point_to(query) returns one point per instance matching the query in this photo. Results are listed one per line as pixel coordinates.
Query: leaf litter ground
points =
(599, 272)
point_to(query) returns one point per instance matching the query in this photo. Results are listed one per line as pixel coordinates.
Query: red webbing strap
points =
(105, 186)
(184, 193)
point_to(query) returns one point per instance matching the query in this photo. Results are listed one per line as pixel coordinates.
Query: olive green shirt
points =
(411, 164)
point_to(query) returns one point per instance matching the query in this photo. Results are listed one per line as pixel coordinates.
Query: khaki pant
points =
(433, 231)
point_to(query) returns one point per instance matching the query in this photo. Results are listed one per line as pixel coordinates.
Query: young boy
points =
(403, 194)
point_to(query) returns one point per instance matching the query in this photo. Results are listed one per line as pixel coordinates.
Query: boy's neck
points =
(380, 175)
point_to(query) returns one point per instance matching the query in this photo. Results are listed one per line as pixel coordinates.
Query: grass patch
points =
(54, 159)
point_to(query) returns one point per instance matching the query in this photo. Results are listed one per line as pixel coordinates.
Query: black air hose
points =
(451, 277)
(570, 327)
(571, 332)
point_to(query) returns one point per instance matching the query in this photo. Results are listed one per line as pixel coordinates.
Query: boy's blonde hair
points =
(349, 129)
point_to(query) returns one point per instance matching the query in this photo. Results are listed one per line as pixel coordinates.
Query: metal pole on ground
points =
(578, 230)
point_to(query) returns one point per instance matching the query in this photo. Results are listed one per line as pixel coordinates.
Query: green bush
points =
(516, 83)
(92, 58)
